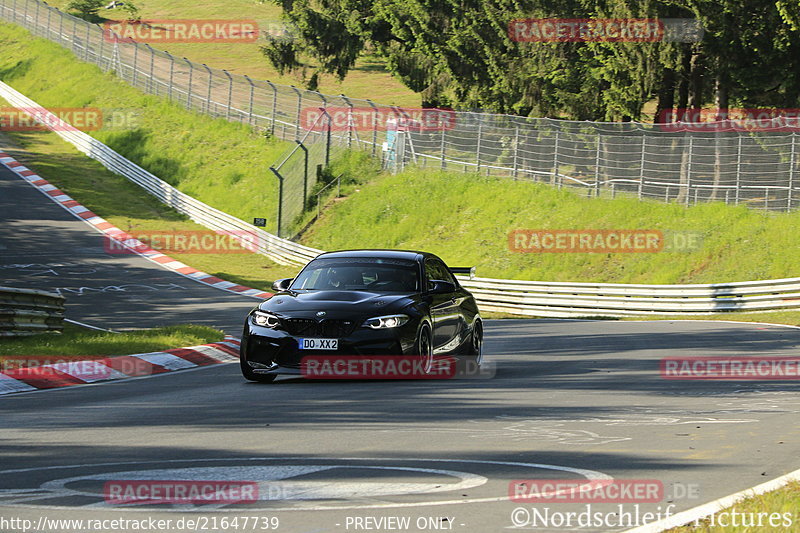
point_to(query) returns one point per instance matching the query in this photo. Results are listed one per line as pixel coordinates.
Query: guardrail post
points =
(250, 104)
(442, 149)
(189, 90)
(230, 94)
(791, 173)
(280, 199)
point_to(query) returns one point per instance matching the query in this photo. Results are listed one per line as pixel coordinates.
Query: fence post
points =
(478, 151)
(305, 172)
(250, 104)
(86, 42)
(171, 75)
(641, 166)
(274, 107)
(208, 89)
(135, 57)
(74, 32)
(349, 120)
(151, 79)
(47, 30)
(597, 168)
(442, 149)
(280, 199)
(60, 27)
(738, 167)
(516, 151)
(555, 157)
(189, 89)
(101, 59)
(230, 94)
(374, 126)
(689, 170)
(297, 116)
(328, 137)
(791, 173)
(35, 19)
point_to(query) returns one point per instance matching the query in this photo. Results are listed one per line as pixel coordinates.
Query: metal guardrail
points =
(532, 298)
(29, 311)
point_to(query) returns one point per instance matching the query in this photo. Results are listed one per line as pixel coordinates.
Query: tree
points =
(87, 8)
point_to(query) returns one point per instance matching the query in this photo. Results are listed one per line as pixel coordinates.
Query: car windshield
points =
(359, 273)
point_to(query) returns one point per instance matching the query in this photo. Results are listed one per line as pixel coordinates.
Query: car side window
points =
(436, 270)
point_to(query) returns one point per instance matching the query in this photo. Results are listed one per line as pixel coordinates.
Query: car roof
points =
(380, 253)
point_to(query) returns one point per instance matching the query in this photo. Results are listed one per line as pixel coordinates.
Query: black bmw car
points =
(372, 303)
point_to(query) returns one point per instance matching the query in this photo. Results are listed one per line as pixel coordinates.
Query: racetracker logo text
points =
(586, 241)
(183, 242)
(633, 30)
(179, 492)
(182, 31)
(731, 368)
(378, 118)
(376, 367)
(585, 491)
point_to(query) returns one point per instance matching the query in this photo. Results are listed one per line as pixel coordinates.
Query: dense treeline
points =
(458, 53)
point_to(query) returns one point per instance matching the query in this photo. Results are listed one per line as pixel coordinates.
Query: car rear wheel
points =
(424, 348)
(476, 343)
(248, 373)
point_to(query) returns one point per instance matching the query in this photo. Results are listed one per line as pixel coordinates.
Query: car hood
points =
(336, 304)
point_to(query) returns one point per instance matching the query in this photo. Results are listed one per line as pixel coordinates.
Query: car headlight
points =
(260, 318)
(385, 322)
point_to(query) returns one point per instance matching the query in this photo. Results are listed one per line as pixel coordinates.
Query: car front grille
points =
(308, 327)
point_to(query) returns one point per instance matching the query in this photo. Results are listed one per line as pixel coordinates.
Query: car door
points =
(445, 311)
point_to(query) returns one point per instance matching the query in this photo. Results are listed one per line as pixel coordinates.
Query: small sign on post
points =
(260, 222)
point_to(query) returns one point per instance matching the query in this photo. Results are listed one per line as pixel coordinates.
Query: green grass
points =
(368, 79)
(466, 219)
(780, 502)
(76, 341)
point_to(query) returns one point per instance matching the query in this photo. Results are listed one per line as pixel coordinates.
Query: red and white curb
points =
(87, 371)
(125, 239)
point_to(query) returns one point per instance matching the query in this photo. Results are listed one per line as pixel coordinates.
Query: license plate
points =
(319, 344)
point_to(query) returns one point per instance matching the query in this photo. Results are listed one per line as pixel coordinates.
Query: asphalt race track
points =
(569, 400)
(44, 246)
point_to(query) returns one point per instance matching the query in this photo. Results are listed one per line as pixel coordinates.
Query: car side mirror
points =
(282, 284)
(438, 286)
